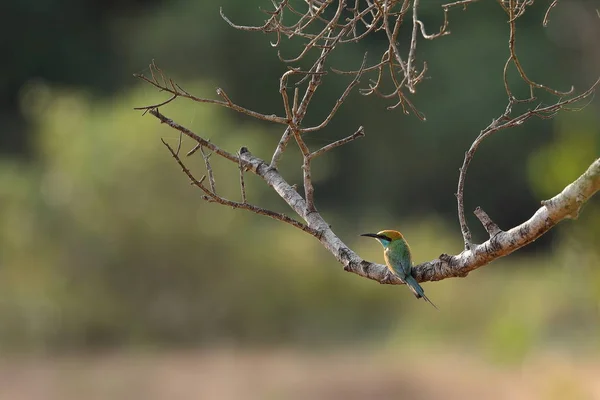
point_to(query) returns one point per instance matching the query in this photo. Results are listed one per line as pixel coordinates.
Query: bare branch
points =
(283, 90)
(179, 143)
(490, 226)
(192, 135)
(463, 3)
(358, 134)
(514, 10)
(325, 30)
(566, 204)
(194, 150)
(242, 183)
(212, 197)
(413, 46)
(300, 110)
(339, 101)
(209, 171)
(146, 108)
(177, 91)
(503, 122)
(281, 146)
(309, 190)
(547, 15)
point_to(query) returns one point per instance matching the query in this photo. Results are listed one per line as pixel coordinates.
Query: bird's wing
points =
(398, 260)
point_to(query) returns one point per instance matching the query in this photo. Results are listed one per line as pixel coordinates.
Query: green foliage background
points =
(104, 243)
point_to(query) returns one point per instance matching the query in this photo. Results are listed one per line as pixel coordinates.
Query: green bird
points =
(396, 253)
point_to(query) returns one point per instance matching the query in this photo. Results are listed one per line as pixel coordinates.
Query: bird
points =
(396, 253)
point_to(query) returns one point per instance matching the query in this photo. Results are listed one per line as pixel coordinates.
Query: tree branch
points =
(324, 31)
(503, 122)
(566, 204)
(177, 91)
(360, 132)
(210, 196)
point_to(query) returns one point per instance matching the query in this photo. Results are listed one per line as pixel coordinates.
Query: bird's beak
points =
(373, 235)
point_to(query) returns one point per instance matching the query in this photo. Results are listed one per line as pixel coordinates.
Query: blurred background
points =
(117, 281)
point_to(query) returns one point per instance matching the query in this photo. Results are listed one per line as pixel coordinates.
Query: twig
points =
(490, 226)
(281, 146)
(209, 170)
(242, 183)
(503, 122)
(358, 134)
(212, 197)
(413, 47)
(195, 149)
(194, 136)
(146, 108)
(179, 142)
(463, 3)
(283, 90)
(520, 9)
(339, 101)
(547, 15)
(177, 91)
(564, 205)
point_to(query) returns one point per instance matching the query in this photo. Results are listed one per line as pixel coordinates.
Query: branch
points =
(503, 122)
(515, 9)
(167, 85)
(209, 170)
(547, 15)
(242, 183)
(360, 132)
(566, 204)
(210, 196)
(490, 226)
(201, 141)
(351, 24)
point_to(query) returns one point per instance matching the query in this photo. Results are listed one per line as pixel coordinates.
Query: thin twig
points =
(547, 15)
(195, 149)
(520, 9)
(209, 170)
(413, 46)
(192, 135)
(242, 183)
(179, 142)
(339, 101)
(281, 146)
(358, 134)
(211, 197)
(503, 122)
(177, 91)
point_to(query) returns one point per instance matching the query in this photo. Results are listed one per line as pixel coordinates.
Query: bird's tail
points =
(417, 290)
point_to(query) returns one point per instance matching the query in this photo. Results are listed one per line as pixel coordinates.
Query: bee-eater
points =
(396, 253)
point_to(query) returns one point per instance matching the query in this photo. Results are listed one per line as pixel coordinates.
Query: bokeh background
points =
(117, 281)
